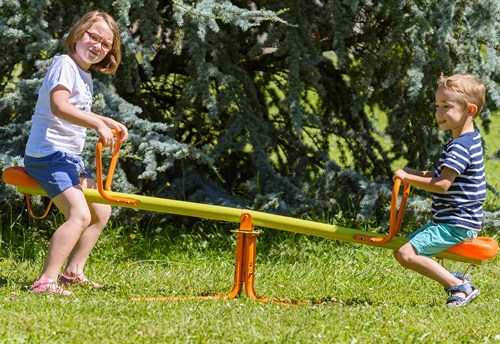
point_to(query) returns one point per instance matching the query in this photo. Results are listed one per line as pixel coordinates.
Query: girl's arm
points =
(428, 182)
(60, 107)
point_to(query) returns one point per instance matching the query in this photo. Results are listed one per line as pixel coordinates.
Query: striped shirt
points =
(462, 204)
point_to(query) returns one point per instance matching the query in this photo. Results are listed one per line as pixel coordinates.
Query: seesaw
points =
(474, 252)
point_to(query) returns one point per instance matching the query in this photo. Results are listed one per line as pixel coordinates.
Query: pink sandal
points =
(48, 286)
(79, 280)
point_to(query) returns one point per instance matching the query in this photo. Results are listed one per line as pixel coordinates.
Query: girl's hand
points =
(123, 131)
(119, 128)
(105, 134)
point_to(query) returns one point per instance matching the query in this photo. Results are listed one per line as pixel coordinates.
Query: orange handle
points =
(396, 218)
(111, 172)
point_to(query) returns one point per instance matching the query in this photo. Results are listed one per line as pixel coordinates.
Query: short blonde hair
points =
(468, 88)
(112, 59)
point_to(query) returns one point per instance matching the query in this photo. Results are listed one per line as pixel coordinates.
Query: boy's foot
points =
(79, 280)
(467, 289)
(461, 276)
(48, 286)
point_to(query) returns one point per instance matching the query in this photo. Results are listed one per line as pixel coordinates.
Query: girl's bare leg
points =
(71, 202)
(99, 217)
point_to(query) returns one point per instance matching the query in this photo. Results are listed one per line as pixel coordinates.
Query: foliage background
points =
(302, 112)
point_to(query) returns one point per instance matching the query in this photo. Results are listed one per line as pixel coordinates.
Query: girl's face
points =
(87, 51)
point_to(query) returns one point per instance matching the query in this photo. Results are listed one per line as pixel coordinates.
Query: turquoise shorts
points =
(436, 237)
(56, 172)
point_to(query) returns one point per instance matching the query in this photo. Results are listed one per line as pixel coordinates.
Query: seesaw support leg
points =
(470, 266)
(244, 267)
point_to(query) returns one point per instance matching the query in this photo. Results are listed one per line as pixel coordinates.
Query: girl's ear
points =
(472, 109)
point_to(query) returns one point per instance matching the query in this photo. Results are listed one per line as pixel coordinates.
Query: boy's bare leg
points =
(407, 256)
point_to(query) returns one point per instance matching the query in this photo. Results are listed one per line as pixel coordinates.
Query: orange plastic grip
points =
(111, 172)
(396, 218)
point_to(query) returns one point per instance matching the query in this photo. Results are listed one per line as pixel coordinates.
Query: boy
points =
(458, 185)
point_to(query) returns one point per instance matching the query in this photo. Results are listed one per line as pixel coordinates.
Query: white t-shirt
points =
(49, 133)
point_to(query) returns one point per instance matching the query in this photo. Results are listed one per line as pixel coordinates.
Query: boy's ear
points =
(471, 109)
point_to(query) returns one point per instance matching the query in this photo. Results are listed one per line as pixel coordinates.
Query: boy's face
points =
(451, 114)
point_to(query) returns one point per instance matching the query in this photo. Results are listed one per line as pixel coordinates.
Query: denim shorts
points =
(56, 172)
(436, 237)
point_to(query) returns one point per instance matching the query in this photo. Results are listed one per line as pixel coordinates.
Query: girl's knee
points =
(80, 219)
(101, 213)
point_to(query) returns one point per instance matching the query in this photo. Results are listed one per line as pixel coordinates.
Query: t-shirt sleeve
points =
(457, 158)
(61, 73)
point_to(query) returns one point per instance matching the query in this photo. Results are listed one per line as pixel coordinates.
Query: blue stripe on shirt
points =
(462, 204)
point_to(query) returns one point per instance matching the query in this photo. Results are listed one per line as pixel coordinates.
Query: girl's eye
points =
(95, 38)
(106, 46)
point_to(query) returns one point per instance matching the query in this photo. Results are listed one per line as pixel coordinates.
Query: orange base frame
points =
(244, 269)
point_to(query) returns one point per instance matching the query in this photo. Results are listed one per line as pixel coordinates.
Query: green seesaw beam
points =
(259, 219)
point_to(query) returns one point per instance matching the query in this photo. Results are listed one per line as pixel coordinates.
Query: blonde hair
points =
(112, 59)
(468, 88)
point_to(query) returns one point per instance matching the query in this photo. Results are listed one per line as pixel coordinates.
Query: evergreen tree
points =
(240, 103)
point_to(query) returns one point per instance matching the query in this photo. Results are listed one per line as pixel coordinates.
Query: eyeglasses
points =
(95, 39)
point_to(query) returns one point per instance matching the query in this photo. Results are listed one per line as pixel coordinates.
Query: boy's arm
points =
(426, 182)
(419, 173)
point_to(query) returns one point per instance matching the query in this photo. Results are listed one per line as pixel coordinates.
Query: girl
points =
(56, 140)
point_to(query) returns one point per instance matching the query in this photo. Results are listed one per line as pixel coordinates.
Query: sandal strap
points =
(457, 299)
(80, 277)
(44, 282)
(466, 287)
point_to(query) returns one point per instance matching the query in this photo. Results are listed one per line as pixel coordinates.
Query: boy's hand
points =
(401, 174)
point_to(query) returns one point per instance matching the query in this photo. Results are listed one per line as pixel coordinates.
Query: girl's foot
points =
(80, 280)
(48, 286)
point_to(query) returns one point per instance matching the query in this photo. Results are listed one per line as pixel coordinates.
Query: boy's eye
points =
(445, 106)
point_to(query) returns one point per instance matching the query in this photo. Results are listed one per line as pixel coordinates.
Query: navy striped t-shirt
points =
(462, 204)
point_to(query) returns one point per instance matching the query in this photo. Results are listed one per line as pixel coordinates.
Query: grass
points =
(362, 294)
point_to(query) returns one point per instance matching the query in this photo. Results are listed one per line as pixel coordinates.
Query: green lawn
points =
(362, 295)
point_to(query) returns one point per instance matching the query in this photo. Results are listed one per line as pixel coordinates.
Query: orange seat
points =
(16, 176)
(479, 248)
